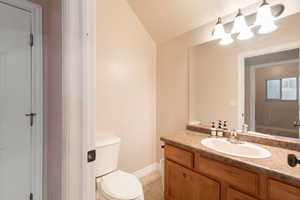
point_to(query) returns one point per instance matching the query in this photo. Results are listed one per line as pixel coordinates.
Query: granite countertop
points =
(275, 166)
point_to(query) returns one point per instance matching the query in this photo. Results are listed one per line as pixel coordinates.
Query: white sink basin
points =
(245, 149)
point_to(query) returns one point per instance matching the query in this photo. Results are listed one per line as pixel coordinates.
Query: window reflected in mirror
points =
(273, 89)
(289, 89)
(271, 93)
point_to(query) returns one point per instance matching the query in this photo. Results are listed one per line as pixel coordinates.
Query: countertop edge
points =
(236, 163)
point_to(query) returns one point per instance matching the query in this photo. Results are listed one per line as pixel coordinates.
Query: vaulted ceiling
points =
(166, 19)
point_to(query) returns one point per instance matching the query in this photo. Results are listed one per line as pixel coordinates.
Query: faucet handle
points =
(234, 138)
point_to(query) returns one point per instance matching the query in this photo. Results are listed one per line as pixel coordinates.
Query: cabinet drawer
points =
(280, 191)
(236, 195)
(242, 179)
(180, 156)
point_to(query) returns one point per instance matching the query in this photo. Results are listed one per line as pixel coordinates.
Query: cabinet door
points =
(280, 191)
(244, 180)
(236, 195)
(184, 184)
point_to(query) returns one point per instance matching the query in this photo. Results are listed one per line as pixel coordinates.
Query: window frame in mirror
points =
(241, 81)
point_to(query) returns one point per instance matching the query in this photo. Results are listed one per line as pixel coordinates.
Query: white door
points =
(15, 103)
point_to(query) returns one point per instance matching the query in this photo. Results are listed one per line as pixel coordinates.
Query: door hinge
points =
(31, 39)
(30, 196)
(31, 115)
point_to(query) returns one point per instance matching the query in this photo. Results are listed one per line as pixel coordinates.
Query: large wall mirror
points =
(253, 82)
(271, 90)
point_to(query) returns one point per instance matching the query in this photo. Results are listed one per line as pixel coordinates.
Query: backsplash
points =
(275, 141)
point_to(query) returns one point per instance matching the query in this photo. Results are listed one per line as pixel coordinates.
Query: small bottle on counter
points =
(225, 127)
(213, 130)
(220, 129)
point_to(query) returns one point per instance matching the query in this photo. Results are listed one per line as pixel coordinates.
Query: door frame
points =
(241, 75)
(79, 98)
(37, 182)
(89, 96)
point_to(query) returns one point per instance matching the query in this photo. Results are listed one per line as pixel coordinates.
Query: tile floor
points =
(154, 190)
(153, 187)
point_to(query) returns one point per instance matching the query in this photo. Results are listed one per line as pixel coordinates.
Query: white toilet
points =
(113, 184)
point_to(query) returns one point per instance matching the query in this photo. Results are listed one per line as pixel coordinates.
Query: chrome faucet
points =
(245, 128)
(233, 137)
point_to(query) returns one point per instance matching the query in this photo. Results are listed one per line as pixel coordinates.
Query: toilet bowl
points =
(119, 185)
(113, 184)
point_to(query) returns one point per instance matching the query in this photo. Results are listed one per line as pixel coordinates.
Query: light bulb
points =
(226, 40)
(264, 14)
(267, 28)
(245, 34)
(219, 31)
(265, 19)
(239, 23)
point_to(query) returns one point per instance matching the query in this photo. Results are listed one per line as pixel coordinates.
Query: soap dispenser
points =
(220, 129)
(225, 127)
(213, 130)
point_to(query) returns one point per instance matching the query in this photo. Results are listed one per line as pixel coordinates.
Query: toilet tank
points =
(107, 155)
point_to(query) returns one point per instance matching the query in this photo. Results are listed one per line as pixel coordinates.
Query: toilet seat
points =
(120, 185)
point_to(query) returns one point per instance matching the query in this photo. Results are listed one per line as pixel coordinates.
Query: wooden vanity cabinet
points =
(282, 191)
(190, 176)
(244, 180)
(184, 184)
(236, 195)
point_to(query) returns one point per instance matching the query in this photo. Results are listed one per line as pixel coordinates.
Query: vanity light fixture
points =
(268, 28)
(226, 40)
(265, 19)
(219, 31)
(239, 23)
(245, 34)
(240, 26)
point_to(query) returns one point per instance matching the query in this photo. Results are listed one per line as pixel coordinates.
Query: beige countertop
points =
(275, 166)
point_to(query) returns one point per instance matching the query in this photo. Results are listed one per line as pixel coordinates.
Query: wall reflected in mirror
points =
(253, 81)
(271, 93)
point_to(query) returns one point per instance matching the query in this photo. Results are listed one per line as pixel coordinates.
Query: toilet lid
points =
(121, 185)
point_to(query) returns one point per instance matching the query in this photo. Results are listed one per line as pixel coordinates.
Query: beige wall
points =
(214, 75)
(126, 83)
(274, 113)
(172, 82)
(173, 101)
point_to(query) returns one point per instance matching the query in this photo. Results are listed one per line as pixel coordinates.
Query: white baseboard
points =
(146, 171)
(162, 171)
(161, 165)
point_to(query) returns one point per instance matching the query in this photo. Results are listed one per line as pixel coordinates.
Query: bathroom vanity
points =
(253, 83)
(195, 172)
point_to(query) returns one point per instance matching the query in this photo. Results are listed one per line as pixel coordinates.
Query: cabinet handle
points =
(292, 160)
(184, 175)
